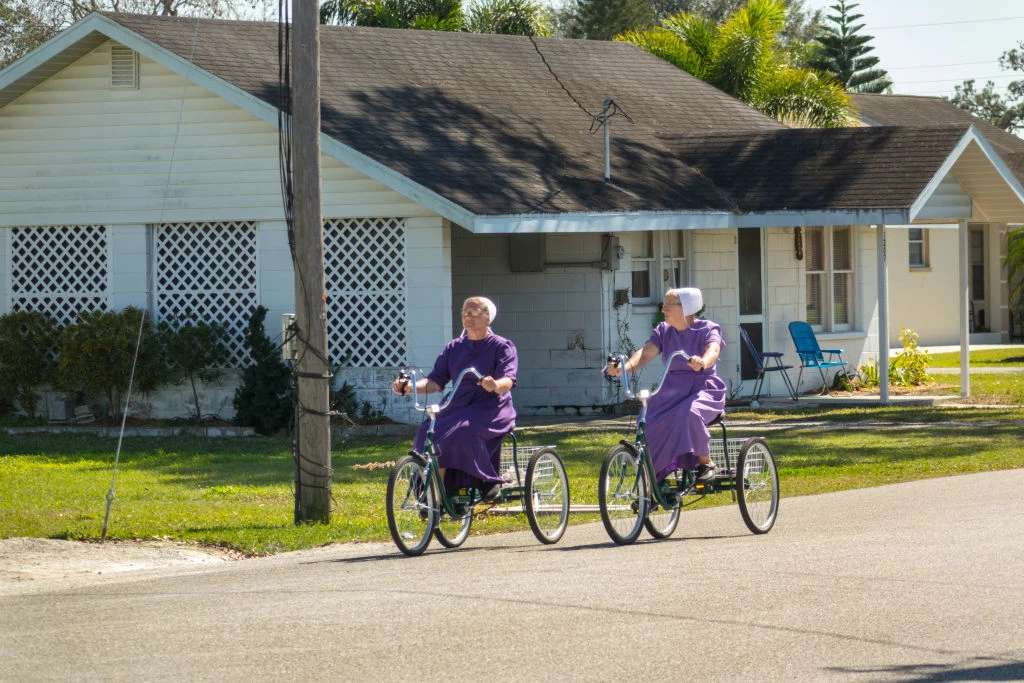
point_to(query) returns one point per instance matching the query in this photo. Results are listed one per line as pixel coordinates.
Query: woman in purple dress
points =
(692, 396)
(468, 433)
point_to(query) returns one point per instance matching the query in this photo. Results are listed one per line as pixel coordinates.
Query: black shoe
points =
(492, 494)
(705, 473)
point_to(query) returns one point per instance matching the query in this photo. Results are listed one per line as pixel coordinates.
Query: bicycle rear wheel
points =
(757, 483)
(547, 496)
(410, 505)
(621, 493)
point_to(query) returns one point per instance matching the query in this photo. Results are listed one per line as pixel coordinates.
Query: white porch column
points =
(883, 317)
(965, 305)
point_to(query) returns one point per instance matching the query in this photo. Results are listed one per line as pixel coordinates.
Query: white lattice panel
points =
(207, 271)
(60, 270)
(364, 266)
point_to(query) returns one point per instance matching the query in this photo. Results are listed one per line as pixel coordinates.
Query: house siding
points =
(75, 152)
(555, 318)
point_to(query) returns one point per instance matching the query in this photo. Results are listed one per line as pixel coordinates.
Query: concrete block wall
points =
(554, 317)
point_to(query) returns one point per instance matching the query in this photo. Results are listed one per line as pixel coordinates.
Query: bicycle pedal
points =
(704, 487)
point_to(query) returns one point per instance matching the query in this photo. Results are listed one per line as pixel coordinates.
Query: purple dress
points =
(468, 433)
(677, 417)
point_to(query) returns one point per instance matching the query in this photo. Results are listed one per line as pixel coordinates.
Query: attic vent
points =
(124, 68)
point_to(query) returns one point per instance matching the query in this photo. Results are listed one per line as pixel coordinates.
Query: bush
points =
(195, 352)
(27, 351)
(263, 400)
(344, 400)
(96, 353)
(908, 368)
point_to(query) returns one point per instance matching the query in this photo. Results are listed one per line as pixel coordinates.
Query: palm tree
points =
(433, 15)
(508, 17)
(1014, 263)
(742, 57)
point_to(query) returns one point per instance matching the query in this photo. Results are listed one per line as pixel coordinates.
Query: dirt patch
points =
(41, 560)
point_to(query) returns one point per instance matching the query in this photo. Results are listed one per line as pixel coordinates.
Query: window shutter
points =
(124, 68)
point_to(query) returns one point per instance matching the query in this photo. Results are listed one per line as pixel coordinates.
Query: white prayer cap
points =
(690, 299)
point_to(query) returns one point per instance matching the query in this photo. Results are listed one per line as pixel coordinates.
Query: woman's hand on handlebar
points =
(402, 386)
(495, 386)
(613, 369)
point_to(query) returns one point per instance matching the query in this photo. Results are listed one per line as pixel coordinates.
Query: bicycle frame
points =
(640, 439)
(433, 471)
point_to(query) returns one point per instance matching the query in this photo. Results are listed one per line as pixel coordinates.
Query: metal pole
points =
(965, 305)
(883, 317)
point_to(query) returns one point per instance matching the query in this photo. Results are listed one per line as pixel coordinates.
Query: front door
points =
(750, 263)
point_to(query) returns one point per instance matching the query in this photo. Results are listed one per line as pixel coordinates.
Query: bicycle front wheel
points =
(661, 522)
(410, 505)
(621, 493)
(452, 532)
(547, 496)
(757, 482)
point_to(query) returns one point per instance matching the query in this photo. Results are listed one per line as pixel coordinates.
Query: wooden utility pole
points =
(313, 481)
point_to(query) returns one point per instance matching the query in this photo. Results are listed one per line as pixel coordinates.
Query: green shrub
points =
(910, 366)
(27, 351)
(263, 401)
(96, 353)
(195, 352)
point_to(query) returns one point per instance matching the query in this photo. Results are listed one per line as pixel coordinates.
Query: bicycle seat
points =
(718, 420)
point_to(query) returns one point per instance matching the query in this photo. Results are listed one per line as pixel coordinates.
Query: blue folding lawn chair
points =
(767, 362)
(813, 356)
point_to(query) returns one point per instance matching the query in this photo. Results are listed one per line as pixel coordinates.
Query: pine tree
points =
(843, 50)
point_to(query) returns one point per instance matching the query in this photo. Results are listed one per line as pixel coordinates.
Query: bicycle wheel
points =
(757, 482)
(452, 532)
(547, 496)
(661, 522)
(619, 490)
(410, 505)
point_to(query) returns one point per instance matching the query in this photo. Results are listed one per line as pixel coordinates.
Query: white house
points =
(139, 166)
(923, 257)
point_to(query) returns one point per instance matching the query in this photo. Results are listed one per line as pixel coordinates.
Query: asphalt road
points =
(912, 582)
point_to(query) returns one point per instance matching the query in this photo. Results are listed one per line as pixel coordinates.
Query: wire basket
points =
(507, 470)
(726, 463)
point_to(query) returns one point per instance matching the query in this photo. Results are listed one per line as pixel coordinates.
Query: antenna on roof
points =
(606, 121)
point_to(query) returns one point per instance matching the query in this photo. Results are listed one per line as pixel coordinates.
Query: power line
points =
(970, 78)
(938, 66)
(946, 23)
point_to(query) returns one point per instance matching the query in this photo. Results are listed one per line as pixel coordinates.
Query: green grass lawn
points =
(985, 358)
(238, 492)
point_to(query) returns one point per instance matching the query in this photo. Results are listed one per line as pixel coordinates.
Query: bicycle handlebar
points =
(436, 408)
(645, 394)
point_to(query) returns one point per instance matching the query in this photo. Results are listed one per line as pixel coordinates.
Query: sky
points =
(929, 46)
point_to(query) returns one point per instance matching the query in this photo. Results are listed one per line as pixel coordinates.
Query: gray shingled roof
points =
(480, 121)
(920, 110)
(820, 169)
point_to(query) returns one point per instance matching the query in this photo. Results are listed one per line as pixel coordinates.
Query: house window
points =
(830, 278)
(918, 247)
(658, 264)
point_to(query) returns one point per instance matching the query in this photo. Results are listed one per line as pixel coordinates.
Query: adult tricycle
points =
(630, 498)
(418, 504)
